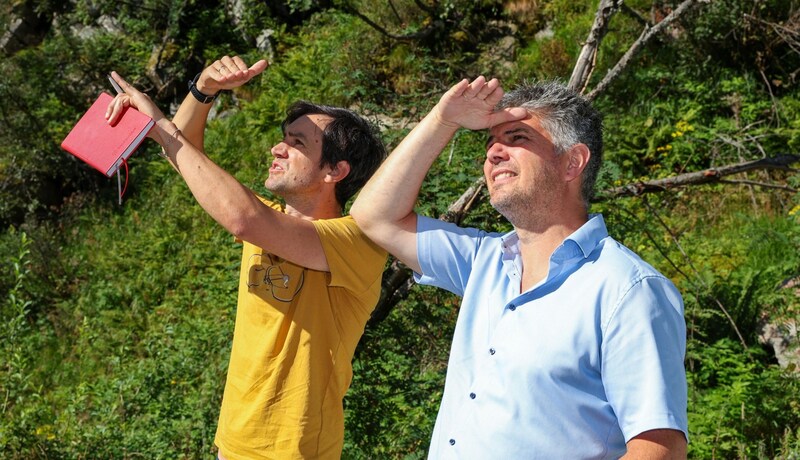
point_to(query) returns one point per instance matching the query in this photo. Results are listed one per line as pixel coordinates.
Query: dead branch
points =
(456, 212)
(647, 34)
(586, 60)
(635, 15)
(696, 178)
(421, 34)
(760, 184)
(395, 286)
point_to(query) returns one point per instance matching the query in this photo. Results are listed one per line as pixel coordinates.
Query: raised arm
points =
(224, 73)
(384, 208)
(227, 201)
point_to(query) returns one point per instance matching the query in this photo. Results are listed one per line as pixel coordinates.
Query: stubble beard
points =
(521, 209)
(528, 207)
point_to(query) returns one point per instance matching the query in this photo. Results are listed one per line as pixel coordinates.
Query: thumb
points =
(258, 67)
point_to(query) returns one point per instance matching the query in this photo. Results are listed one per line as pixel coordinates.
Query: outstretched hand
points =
(131, 97)
(471, 105)
(228, 73)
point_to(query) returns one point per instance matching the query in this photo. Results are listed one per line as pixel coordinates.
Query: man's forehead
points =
(308, 125)
(528, 123)
(531, 126)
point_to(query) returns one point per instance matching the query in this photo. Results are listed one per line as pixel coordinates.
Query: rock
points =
(782, 335)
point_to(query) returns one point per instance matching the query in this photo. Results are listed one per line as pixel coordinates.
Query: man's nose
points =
(279, 150)
(496, 153)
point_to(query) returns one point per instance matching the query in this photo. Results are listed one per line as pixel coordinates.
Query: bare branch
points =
(394, 10)
(647, 34)
(760, 184)
(584, 66)
(635, 15)
(456, 212)
(395, 286)
(423, 33)
(695, 178)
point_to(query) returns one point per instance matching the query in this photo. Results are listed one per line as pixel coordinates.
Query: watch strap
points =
(202, 97)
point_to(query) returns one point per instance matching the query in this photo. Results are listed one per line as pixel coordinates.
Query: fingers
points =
(230, 68)
(508, 114)
(131, 97)
(474, 89)
(478, 90)
(122, 83)
(116, 107)
(491, 92)
(121, 101)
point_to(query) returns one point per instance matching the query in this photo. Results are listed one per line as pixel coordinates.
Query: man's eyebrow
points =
(523, 129)
(296, 134)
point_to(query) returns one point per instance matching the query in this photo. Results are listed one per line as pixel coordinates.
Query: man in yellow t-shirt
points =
(309, 277)
(296, 331)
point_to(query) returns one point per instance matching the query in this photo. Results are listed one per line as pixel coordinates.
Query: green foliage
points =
(553, 55)
(398, 377)
(117, 320)
(742, 400)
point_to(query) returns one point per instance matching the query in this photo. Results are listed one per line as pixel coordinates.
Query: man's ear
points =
(338, 172)
(577, 158)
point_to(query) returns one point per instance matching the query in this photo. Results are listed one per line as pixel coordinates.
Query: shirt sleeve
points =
(355, 262)
(446, 253)
(643, 350)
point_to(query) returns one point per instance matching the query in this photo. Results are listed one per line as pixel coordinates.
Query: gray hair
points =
(568, 117)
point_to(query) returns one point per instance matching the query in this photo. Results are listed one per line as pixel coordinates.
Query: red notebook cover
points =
(102, 146)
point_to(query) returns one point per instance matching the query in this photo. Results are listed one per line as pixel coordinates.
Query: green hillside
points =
(117, 319)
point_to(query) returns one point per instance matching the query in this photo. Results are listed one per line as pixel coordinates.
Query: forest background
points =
(117, 319)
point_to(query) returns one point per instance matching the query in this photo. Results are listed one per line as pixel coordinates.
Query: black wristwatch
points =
(203, 98)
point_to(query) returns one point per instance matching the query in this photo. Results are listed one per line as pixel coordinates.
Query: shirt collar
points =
(586, 238)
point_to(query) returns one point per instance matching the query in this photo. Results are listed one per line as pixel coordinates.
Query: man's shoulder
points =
(343, 224)
(617, 253)
(272, 204)
(344, 233)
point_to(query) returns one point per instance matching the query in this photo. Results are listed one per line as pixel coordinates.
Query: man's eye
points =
(518, 137)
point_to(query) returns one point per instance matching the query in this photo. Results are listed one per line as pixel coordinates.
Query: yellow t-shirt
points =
(293, 343)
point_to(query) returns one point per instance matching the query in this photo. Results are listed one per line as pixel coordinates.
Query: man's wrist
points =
(198, 93)
(439, 120)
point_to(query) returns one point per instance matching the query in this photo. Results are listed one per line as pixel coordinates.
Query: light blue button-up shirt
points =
(572, 368)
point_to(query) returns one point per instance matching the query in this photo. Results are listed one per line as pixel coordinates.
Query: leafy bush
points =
(117, 319)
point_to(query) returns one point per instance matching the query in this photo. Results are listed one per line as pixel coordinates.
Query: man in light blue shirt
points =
(567, 344)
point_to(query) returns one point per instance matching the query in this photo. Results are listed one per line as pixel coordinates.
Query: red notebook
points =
(102, 146)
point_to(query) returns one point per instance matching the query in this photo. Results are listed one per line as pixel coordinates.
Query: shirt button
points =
(491, 351)
(512, 307)
(452, 442)
(472, 396)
